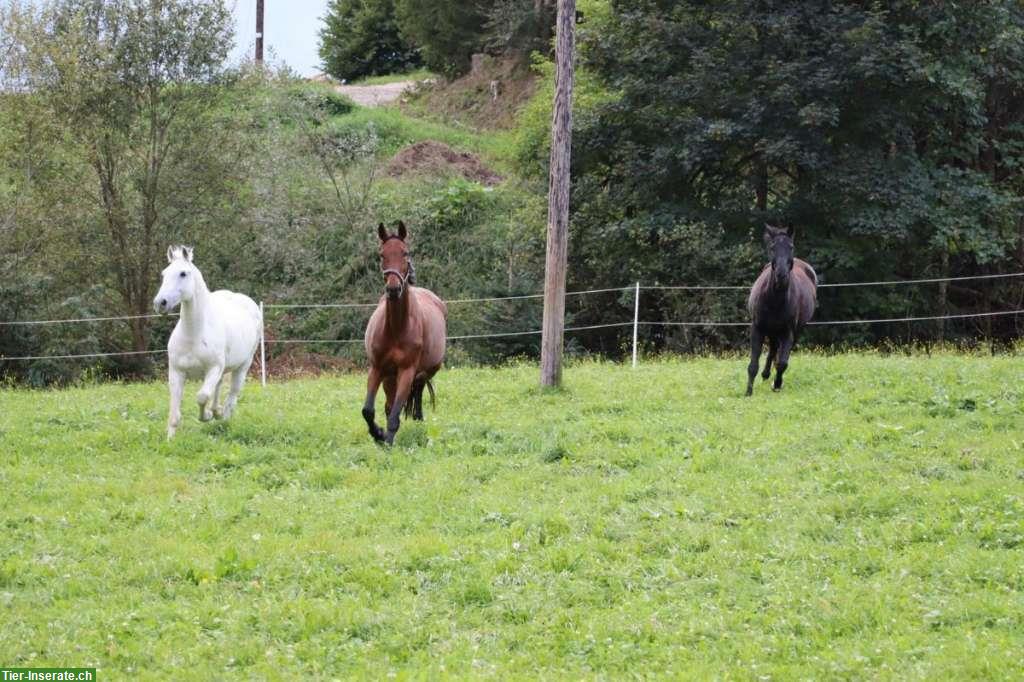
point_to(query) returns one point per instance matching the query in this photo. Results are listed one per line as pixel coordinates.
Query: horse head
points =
(780, 253)
(395, 262)
(179, 280)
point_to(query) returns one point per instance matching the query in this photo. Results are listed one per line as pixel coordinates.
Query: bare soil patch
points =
(374, 95)
(437, 158)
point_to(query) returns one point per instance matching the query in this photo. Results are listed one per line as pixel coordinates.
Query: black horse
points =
(781, 302)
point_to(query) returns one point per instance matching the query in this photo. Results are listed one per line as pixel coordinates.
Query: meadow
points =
(865, 523)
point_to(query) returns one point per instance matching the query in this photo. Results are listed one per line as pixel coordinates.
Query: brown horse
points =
(405, 338)
(781, 302)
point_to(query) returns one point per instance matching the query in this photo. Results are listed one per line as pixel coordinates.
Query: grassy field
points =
(867, 522)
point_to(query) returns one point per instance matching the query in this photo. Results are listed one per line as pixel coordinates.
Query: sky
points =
(291, 32)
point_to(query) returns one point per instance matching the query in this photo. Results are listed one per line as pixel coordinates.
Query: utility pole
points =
(553, 329)
(259, 31)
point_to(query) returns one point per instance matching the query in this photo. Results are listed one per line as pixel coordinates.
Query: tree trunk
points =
(761, 188)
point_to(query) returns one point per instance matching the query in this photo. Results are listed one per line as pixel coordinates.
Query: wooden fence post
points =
(553, 328)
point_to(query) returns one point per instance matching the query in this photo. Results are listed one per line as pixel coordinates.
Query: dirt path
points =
(374, 95)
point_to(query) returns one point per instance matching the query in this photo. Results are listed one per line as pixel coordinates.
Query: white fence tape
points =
(83, 355)
(891, 282)
(79, 319)
(635, 323)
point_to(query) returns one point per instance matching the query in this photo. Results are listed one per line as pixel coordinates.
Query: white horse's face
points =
(179, 280)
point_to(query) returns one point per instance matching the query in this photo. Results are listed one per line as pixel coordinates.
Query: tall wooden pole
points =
(259, 31)
(558, 200)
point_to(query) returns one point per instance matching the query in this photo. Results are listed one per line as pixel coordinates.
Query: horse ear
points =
(170, 254)
(382, 232)
(401, 230)
(187, 252)
(769, 233)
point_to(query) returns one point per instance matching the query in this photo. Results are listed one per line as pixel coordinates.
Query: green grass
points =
(398, 130)
(418, 75)
(867, 522)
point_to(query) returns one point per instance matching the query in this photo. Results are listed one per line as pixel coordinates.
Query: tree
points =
(519, 26)
(889, 133)
(447, 32)
(132, 84)
(361, 38)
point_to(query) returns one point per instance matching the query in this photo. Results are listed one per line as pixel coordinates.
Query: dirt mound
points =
(437, 158)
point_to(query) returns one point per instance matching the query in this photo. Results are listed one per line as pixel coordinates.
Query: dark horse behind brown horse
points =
(781, 302)
(405, 338)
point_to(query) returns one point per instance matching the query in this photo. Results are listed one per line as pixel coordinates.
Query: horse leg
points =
(390, 385)
(417, 412)
(372, 384)
(756, 342)
(773, 348)
(785, 346)
(237, 381)
(218, 412)
(176, 383)
(210, 382)
(404, 389)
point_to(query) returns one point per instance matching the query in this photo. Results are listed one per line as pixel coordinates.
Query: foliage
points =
(128, 90)
(519, 26)
(867, 522)
(531, 147)
(361, 38)
(889, 134)
(447, 32)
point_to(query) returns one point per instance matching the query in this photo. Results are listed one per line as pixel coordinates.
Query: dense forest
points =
(888, 135)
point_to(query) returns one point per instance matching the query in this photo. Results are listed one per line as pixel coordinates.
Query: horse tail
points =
(410, 405)
(433, 400)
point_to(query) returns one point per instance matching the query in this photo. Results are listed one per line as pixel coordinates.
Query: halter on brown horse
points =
(405, 338)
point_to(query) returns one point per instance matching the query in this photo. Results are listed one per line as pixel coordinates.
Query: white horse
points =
(217, 332)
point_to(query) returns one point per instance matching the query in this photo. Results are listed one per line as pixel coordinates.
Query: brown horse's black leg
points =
(773, 348)
(402, 394)
(785, 346)
(372, 384)
(756, 341)
(417, 400)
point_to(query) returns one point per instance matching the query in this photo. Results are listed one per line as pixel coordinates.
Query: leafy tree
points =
(361, 38)
(133, 87)
(447, 32)
(519, 26)
(889, 133)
